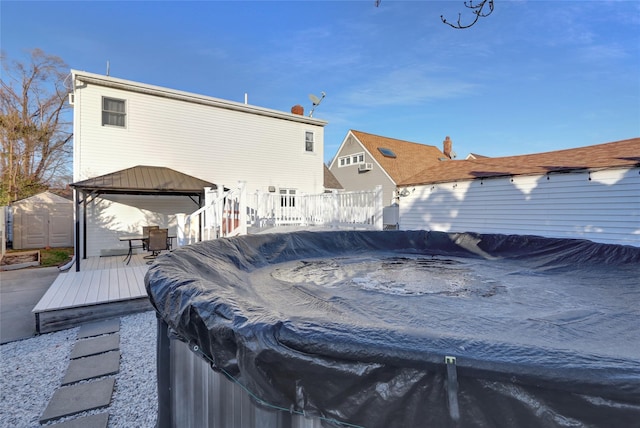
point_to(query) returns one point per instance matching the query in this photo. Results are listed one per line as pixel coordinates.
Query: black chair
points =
(158, 242)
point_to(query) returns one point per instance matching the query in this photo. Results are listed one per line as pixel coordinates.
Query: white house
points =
(589, 192)
(120, 125)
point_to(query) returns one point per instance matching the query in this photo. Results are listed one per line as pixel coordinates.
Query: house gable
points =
(360, 163)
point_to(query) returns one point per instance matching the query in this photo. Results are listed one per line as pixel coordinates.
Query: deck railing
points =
(362, 209)
(231, 212)
(220, 216)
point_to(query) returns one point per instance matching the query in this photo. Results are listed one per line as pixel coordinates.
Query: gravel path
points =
(32, 369)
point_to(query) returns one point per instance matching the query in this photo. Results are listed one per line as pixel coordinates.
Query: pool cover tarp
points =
(357, 326)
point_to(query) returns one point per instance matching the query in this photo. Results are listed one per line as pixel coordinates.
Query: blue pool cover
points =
(415, 328)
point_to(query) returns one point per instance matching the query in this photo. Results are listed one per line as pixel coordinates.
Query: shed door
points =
(43, 226)
(34, 227)
(61, 226)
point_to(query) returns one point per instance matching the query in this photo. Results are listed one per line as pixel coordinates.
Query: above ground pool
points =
(409, 328)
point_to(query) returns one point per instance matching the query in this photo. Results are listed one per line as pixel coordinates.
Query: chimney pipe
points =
(447, 147)
(297, 109)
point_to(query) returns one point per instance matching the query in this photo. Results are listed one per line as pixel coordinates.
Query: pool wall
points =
(227, 358)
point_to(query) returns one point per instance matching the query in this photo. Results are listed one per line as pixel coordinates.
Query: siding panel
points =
(602, 206)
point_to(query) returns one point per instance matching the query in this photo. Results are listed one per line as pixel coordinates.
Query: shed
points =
(42, 220)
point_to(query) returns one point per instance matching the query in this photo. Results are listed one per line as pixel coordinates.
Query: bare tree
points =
(478, 11)
(481, 9)
(35, 128)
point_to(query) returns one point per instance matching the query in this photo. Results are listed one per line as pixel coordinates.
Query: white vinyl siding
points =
(602, 206)
(217, 144)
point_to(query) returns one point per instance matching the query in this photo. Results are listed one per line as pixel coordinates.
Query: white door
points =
(61, 226)
(34, 226)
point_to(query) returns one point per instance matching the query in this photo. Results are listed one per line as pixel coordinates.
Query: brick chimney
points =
(297, 109)
(447, 147)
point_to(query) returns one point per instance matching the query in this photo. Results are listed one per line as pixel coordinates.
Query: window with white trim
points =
(354, 159)
(287, 198)
(308, 141)
(114, 112)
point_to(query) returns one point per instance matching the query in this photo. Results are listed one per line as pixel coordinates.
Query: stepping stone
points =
(96, 345)
(99, 420)
(92, 367)
(98, 328)
(71, 400)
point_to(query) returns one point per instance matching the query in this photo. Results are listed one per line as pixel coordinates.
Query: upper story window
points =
(354, 159)
(114, 112)
(308, 141)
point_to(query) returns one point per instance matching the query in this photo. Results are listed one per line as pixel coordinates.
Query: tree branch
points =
(478, 10)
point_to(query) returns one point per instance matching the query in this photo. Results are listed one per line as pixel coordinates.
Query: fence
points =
(229, 213)
(220, 216)
(362, 209)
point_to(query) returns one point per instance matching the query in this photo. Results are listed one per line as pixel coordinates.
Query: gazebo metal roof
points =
(144, 180)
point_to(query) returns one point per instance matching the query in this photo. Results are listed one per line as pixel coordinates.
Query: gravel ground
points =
(32, 369)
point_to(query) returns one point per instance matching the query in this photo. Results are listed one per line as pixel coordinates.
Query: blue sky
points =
(534, 76)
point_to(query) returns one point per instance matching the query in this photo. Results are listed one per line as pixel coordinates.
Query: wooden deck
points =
(105, 287)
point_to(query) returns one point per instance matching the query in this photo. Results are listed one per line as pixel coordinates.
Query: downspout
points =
(77, 230)
(84, 229)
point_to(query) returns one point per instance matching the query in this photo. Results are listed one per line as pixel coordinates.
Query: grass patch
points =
(55, 256)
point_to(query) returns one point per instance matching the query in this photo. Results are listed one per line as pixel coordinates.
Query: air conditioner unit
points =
(365, 167)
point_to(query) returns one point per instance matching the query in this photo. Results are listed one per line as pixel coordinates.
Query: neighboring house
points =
(331, 183)
(42, 220)
(365, 161)
(588, 192)
(120, 124)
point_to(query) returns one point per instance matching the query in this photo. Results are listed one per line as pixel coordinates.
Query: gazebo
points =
(138, 180)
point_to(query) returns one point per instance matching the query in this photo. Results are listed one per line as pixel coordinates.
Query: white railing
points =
(362, 209)
(220, 216)
(227, 213)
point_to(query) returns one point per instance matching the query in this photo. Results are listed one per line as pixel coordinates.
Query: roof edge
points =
(159, 91)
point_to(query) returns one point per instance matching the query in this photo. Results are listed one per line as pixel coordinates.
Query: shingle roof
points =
(624, 153)
(145, 180)
(330, 180)
(410, 159)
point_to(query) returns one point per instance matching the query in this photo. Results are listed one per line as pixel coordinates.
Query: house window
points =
(287, 198)
(308, 141)
(354, 159)
(113, 112)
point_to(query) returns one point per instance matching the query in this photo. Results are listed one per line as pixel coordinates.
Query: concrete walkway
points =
(88, 383)
(20, 291)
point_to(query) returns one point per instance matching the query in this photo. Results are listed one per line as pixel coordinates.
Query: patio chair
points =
(145, 232)
(158, 242)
